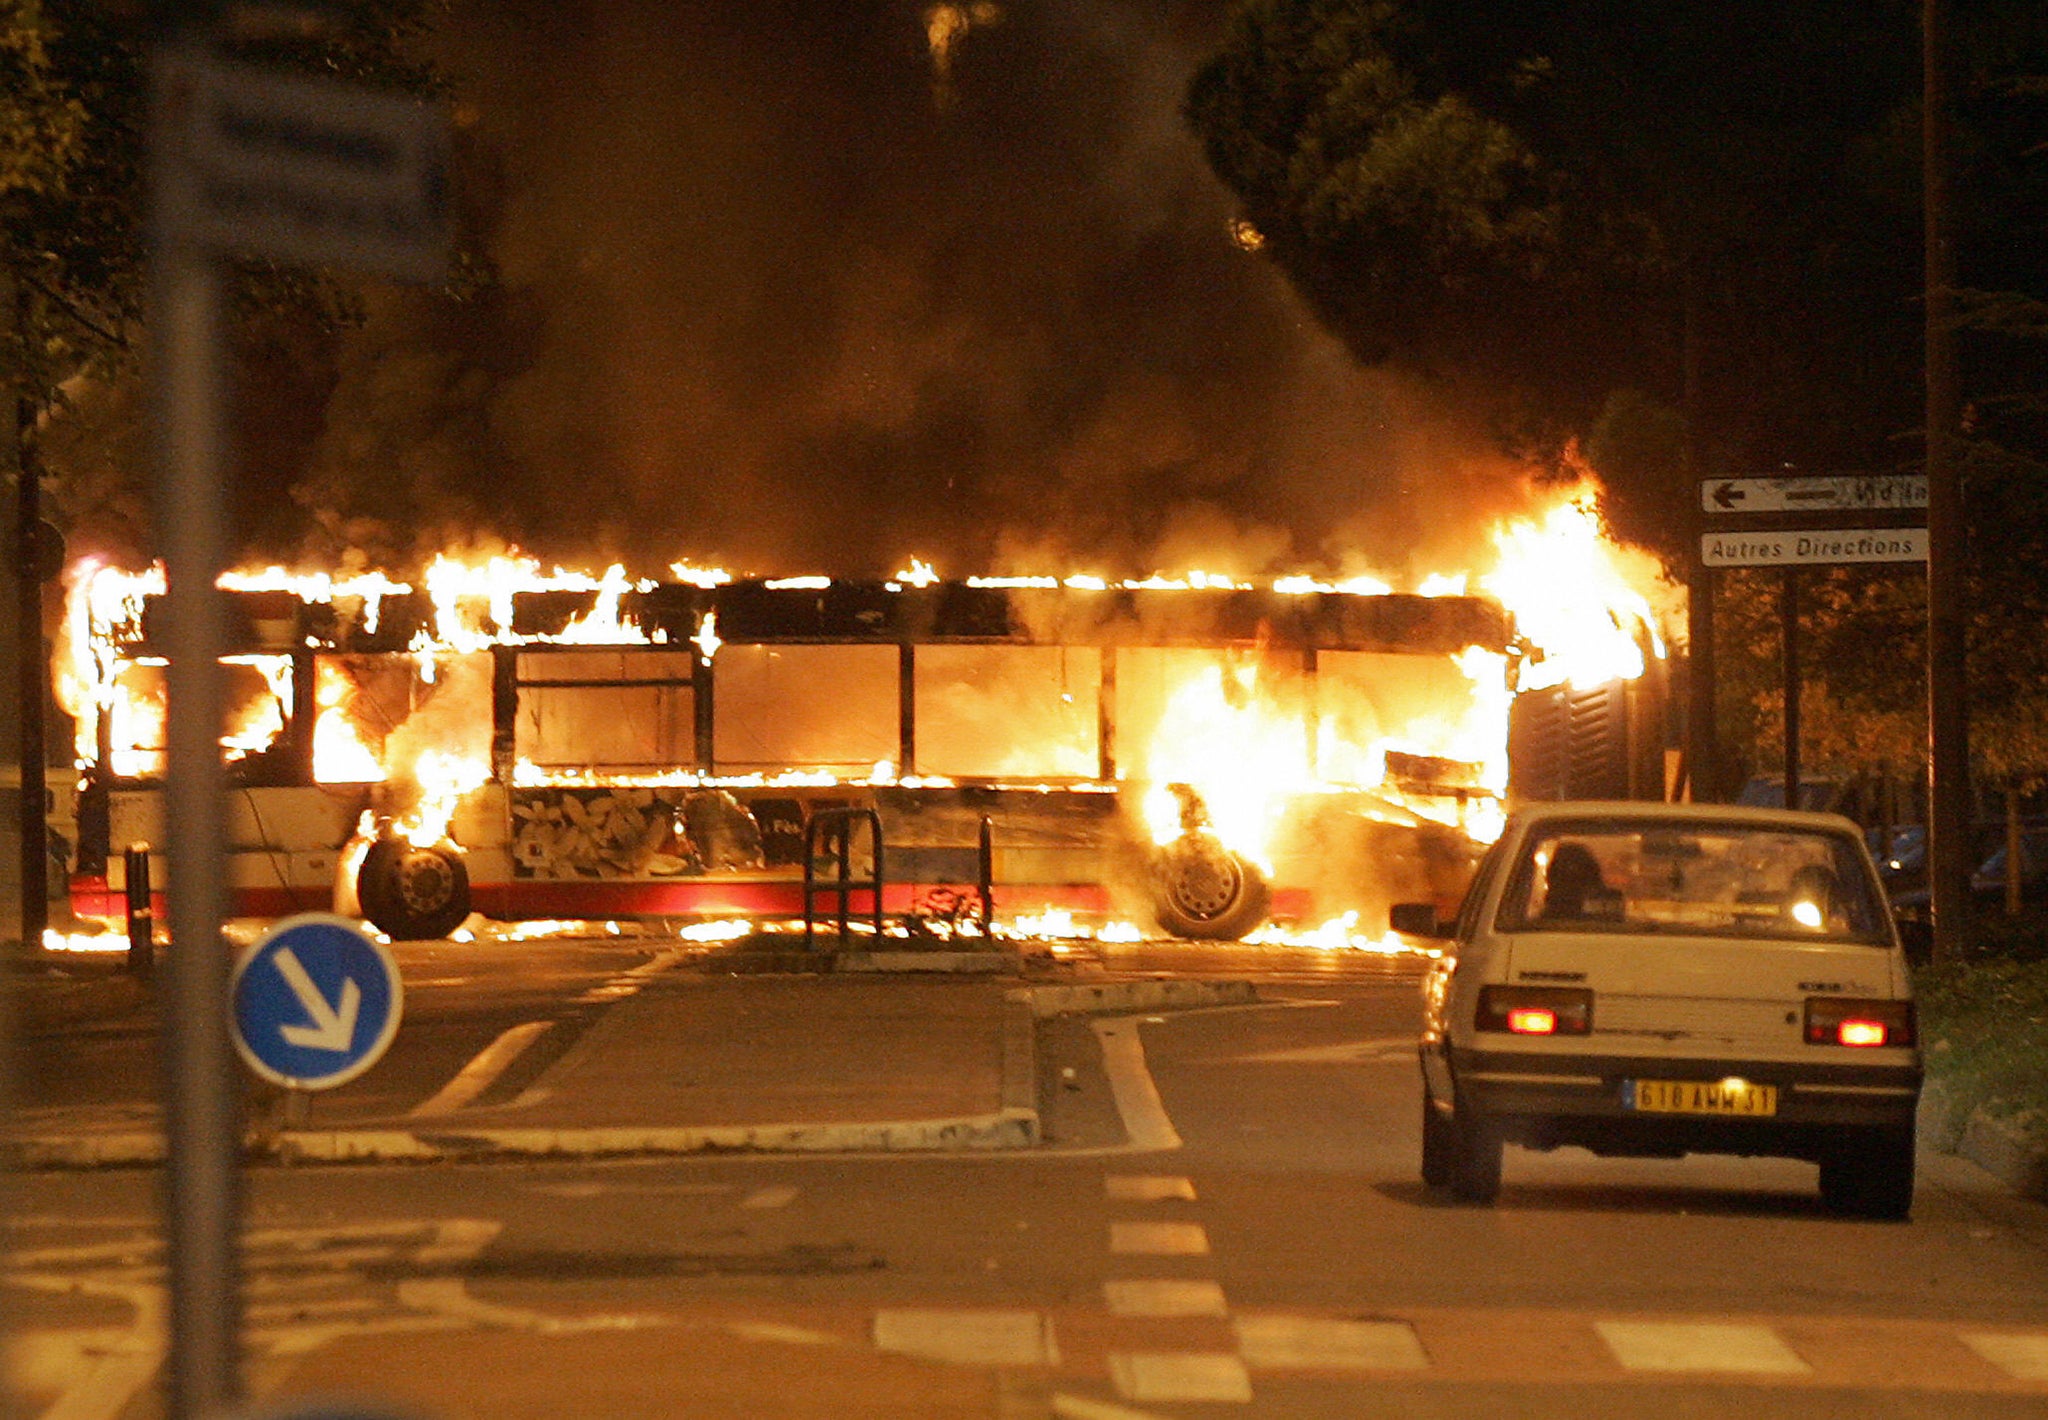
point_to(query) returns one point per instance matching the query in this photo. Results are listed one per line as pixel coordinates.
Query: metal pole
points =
(1788, 608)
(202, 1121)
(34, 667)
(1948, 725)
(1702, 740)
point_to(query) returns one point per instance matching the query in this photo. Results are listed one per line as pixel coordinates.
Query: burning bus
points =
(1209, 756)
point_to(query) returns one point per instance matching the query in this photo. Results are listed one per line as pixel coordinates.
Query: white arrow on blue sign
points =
(316, 1001)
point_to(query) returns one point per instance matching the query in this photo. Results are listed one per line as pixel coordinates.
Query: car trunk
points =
(1698, 996)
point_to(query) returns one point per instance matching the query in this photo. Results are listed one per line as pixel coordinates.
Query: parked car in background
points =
(1656, 980)
(1904, 872)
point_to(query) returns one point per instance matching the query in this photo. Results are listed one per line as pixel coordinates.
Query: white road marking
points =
(1180, 1375)
(777, 1331)
(779, 1195)
(977, 1337)
(1146, 1188)
(449, 1297)
(2022, 1356)
(1160, 1296)
(125, 1365)
(1324, 1343)
(1148, 1239)
(1146, 1123)
(1699, 1346)
(1076, 1407)
(475, 1077)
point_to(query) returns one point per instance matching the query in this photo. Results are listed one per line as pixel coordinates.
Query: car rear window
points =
(1687, 877)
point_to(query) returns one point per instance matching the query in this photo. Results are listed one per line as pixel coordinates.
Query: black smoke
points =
(765, 290)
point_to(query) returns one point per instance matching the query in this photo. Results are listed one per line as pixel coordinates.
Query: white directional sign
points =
(1813, 495)
(316, 1001)
(301, 170)
(1813, 546)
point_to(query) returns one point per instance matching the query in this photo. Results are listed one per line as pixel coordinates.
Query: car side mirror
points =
(1417, 919)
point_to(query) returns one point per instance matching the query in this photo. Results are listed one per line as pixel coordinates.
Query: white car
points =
(1660, 979)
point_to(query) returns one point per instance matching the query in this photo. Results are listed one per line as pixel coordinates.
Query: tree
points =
(73, 117)
(1549, 205)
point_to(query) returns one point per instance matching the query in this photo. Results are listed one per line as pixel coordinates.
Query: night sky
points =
(776, 293)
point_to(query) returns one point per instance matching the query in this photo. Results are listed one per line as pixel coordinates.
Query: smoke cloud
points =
(776, 293)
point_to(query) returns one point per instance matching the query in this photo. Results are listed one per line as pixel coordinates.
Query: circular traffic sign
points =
(315, 1002)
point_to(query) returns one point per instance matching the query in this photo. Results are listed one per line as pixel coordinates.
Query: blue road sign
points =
(316, 1001)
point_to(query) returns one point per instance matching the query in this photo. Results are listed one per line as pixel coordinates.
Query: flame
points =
(918, 574)
(1574, 596)
(1240, 735)
(443, 779)
(1231, 739)
(695, 576)
(602, 625)
(259, 720)
(706, 640)
(340, 754)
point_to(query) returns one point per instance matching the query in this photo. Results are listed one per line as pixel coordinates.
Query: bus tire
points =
(411, 893)
(1204, 891)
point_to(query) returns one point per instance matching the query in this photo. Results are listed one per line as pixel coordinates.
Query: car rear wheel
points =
(1439, 1145)
(1475, 1159)
(1870, 1176)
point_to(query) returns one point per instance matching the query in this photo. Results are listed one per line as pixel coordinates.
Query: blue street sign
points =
(316, 1001)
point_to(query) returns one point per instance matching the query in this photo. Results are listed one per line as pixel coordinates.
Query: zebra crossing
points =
(1165, 1334)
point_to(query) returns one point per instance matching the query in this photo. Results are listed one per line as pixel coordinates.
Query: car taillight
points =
(1535, 1010)
(1834, 1020)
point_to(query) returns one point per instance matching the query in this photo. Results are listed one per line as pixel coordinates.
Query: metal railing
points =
(835, 826)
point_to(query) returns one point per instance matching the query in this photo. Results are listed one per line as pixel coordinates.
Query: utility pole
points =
(1949, 812)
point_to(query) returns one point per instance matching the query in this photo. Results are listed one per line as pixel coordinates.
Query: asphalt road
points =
(1281, 1259)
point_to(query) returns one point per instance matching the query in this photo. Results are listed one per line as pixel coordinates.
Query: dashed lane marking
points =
(490, 1062)
(1275, 1342)
(2023, 1357)
(1699, 1346)
(1157, 1296)
(976, 1337)
(1180, 1375)
(1146, 1188)
(1076, 1407)
(1153, 1239)
(779, 1195)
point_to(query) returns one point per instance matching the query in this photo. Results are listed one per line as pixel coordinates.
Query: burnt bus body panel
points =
(700, 828)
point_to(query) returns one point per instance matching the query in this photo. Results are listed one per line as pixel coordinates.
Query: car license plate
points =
(1700, 1097)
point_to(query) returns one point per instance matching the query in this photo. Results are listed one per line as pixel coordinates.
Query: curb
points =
(830, 963)
(1998, 1146)
(1015, 1125)
(1005, 1129)
(1109, 997)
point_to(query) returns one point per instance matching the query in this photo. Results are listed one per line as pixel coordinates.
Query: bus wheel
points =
(1204, 890)
(411, 893)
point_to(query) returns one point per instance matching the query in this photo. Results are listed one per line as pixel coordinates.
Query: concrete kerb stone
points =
(2003, 1148)
(1112, 997)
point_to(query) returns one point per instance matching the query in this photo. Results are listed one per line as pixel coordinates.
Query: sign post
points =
(242, 162)
(1772, 522)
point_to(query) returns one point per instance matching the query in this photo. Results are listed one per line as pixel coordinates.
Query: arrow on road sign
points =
(314, 1002)
(1727, 495)
(332, 1029)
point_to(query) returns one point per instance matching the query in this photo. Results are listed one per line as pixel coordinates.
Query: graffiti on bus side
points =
(650, 833)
